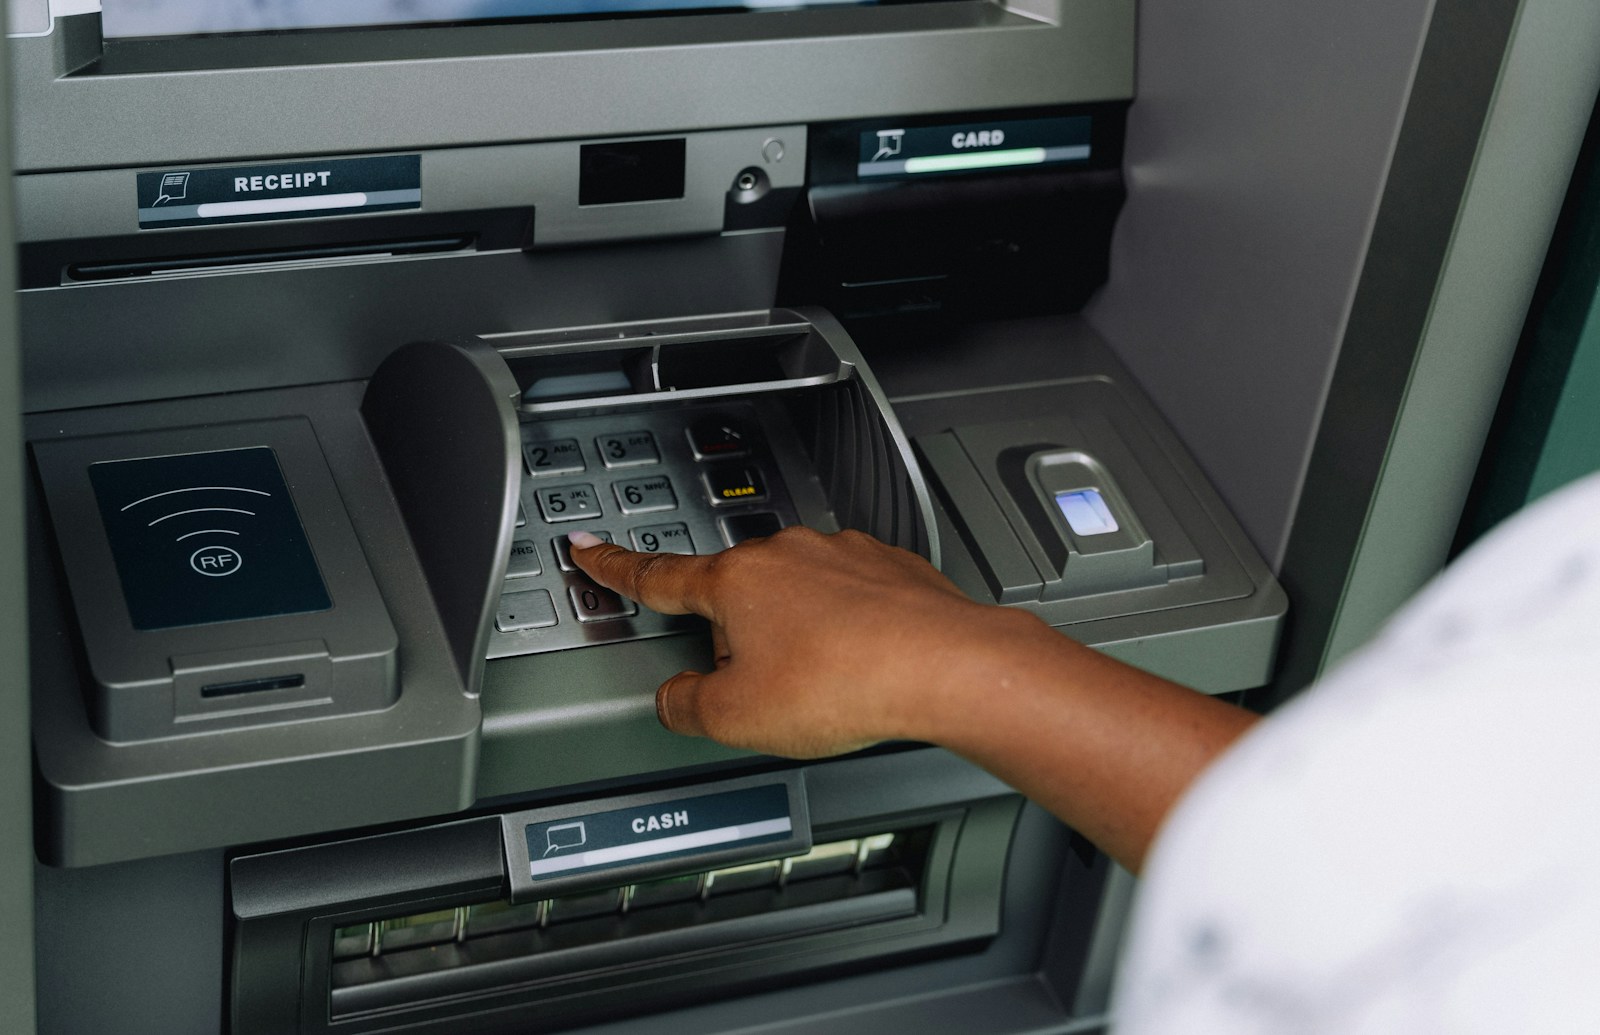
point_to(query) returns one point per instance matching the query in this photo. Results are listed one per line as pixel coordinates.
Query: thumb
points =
(677, 704)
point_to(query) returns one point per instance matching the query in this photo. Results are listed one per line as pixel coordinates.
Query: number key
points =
(672, 538)
(628, 449)
(643, 495)
(563, 550)
(553, 456)
(593, 603)
(568, 503)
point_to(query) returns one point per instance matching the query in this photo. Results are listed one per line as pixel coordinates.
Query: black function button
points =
(643, 495)
(668, 538)
(731, 484)
(628, 449)
(715, 439)
(592, 603)
(568, 503)
(530, 609)
(553, 456)
(524, 560)
(739, 527)
(563, 550)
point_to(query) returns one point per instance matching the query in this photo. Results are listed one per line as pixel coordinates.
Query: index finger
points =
(673, 584)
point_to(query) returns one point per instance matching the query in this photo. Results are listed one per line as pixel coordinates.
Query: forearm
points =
(826, 644)
(1106, 747)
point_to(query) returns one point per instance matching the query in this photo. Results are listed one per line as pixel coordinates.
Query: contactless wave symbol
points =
(211, 559)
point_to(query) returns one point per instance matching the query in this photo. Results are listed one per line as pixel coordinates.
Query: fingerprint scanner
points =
(1086, 512)
(206, 537)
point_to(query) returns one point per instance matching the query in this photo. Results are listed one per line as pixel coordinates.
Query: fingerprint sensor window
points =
(208, 537)
(1086, 512)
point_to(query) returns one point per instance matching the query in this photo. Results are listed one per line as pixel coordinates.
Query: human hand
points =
(830, 643)
(823, 643)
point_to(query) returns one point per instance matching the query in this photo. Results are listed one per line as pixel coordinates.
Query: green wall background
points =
(1547, 430)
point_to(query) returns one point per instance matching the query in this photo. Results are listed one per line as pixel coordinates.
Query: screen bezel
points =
(651, 9)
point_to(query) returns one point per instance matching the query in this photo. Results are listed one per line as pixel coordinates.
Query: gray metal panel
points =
(92, 344)
(1255, 156)
(575, 79)
(132, 947)
(1217, 646)
(346, 652)
(102, 202)
(28, 16)
(16, 789)
(110, 802)
(1454, 181)
(1531, 138)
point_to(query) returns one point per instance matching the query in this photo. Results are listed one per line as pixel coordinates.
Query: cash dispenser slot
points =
(442, 928)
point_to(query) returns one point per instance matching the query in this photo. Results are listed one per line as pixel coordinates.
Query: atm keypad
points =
(692, 479)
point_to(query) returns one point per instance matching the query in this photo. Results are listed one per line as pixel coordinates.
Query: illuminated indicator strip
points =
(257, 206)
(287, 207)
(975, 160)
(660, 846)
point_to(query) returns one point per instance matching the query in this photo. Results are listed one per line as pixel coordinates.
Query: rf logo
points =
(216, 561)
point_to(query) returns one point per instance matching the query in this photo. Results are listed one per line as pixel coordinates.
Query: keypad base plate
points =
(611, 468)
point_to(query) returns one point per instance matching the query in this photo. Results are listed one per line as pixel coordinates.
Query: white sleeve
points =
(1413, 846)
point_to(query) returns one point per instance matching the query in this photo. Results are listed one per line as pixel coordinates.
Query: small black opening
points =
(150, 267)
(251, 686)
(630, 170)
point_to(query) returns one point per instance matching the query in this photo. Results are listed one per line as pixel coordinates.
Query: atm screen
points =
(142, 18)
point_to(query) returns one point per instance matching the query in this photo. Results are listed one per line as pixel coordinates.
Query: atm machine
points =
(335, 319)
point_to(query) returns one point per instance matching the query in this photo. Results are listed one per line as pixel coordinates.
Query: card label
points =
(973, 147)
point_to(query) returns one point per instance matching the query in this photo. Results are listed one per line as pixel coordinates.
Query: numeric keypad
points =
(681, 480)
